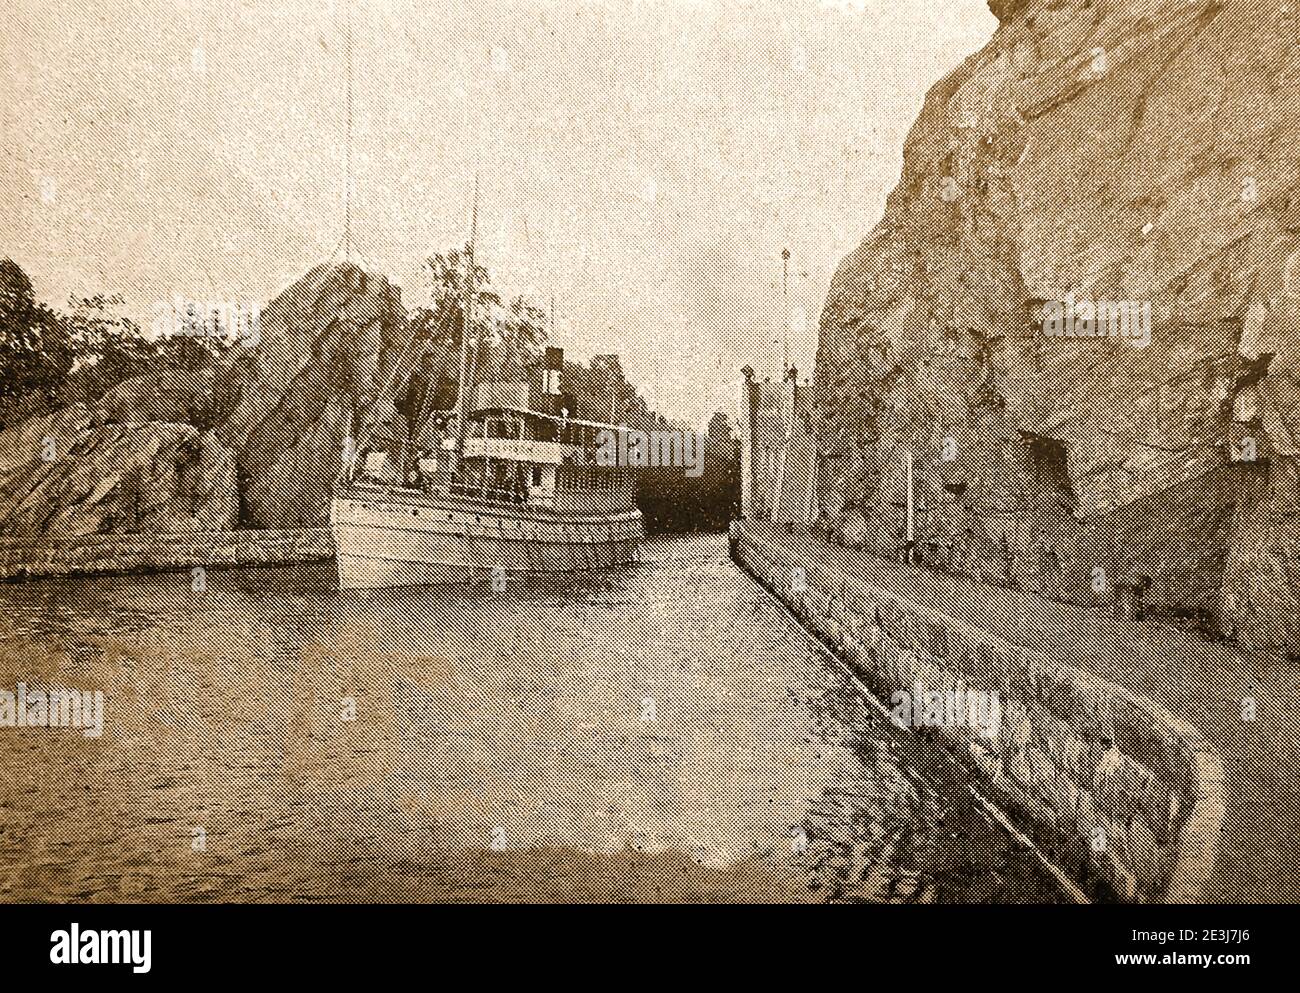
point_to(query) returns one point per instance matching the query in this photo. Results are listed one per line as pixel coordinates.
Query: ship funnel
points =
(551, 370)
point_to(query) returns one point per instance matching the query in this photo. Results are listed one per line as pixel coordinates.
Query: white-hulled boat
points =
(524, 494)
(502, 488)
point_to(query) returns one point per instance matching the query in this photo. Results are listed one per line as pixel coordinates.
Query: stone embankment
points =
(118, 553)
(1097, 767)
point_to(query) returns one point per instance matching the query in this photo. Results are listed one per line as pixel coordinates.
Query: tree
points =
(50, 359)
(16, 297)
(519, 337)
(34, 353)
(506, 341)
(440, 324)
(443, 320)
(196, 342)
(106, 347)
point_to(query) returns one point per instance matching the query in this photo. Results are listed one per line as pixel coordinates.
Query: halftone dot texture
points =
(471, 744)
(1066, 162)
(480, 717)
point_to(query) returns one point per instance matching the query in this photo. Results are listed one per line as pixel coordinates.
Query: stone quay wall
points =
(1082, 757)
(123, 553)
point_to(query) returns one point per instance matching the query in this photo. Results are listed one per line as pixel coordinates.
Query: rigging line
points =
(421, 343)
(364, 258)
(403, 367)
(415, 348)
(463, 384)
(335, 252)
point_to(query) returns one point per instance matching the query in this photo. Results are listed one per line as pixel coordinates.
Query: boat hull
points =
(385, 539)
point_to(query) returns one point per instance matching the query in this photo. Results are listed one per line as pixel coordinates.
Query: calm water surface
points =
(660, 732)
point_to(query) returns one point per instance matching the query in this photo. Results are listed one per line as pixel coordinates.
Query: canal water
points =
(662, 732)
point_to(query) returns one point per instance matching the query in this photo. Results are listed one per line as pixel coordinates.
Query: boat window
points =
(505, 427)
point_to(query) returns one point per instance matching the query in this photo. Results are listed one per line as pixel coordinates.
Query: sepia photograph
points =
(674, 452)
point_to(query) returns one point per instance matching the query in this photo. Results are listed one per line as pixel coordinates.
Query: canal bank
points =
(109, 554)
(663, 732)
(1102, 739)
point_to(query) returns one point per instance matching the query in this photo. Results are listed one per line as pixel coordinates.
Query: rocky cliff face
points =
(1128, 156)
(327, 344)
(254, 443)
(69, 474)
(176, 396)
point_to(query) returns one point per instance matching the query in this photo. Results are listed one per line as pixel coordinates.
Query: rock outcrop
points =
(327, 347)
(177, 396)
(255, 442)
(1127, 153)
(69, 474)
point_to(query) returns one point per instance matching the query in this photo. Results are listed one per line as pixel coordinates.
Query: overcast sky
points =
(645, 162)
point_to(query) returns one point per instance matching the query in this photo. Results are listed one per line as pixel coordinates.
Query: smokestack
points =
(552, 368)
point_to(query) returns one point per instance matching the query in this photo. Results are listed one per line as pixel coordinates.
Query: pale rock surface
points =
(112, 479)
(1120, 151)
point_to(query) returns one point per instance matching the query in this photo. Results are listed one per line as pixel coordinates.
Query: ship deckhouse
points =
(542, 460)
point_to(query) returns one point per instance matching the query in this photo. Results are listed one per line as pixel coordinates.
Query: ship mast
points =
(350, 447)
(785, 304)
(347, 174)
(463, 386)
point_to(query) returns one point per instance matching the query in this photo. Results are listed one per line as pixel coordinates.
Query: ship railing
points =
(560, 500)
